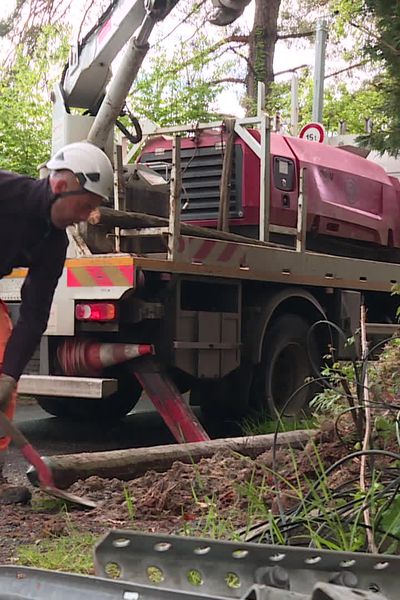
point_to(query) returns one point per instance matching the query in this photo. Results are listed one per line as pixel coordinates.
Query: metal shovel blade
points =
(45, 477)
(80, 500)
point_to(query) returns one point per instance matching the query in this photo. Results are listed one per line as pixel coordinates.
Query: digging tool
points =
(45, 476)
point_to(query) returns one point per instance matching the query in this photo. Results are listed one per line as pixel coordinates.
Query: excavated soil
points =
(180, 500)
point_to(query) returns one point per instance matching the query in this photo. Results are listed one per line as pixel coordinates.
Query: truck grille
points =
(201, 180)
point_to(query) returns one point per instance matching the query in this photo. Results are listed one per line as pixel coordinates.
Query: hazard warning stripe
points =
(103, 276)
(17, 274)
(227, 253)
(202, 249)
(205, 249)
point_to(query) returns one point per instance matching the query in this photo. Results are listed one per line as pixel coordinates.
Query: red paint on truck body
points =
(347, 196)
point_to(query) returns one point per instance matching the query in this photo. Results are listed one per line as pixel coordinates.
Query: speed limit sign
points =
(313, 132)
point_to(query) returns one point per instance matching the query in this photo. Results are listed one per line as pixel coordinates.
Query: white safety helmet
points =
(91, 166)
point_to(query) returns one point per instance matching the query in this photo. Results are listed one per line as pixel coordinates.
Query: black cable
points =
(274, 441)
(339, 416)
(331, 325)
(341, 461)
(359, 378)
(293, 522)
(133, 138)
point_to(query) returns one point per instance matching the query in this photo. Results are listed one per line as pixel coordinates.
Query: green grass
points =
(130, 504)
(72, 553)
(263, 424)
(48, 504)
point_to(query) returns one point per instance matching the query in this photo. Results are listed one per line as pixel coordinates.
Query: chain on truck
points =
(224, 245)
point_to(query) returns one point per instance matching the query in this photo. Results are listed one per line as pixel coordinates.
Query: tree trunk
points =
(262, 42)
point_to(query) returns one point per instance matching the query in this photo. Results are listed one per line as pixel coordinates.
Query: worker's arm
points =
(36, 298)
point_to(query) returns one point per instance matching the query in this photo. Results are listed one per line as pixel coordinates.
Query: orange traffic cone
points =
(90, 358)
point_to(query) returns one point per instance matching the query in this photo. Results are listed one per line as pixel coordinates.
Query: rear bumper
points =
(73, 387)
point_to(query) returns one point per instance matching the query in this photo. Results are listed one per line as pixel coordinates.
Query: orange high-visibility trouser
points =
(5, 332)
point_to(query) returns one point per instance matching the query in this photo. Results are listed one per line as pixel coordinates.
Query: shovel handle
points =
(27, 450)
(44, 472)
(11, 431)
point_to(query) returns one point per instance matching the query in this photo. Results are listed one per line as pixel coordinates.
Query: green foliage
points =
(25, 107)
(379, 21)
(130, 505)
(340, 104)
(386, 376)
(176, 89)
(390, 519)
(262, 424)
(328, 401)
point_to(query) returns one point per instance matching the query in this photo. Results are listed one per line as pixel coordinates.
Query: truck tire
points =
(111, 409)
(286, 364)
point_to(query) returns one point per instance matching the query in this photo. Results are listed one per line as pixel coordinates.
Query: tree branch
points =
(292, 36)
(378, 38)
(290, 70)
(227, 80)
(359, 64)
(186, 18)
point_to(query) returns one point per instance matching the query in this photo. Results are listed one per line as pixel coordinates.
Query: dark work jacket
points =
(28, 239)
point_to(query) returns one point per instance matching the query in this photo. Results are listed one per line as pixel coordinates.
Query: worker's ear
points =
(58, 184)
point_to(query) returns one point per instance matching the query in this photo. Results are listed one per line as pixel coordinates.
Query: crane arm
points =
(89, 68)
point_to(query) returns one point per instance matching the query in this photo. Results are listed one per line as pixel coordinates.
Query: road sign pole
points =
(319, 70)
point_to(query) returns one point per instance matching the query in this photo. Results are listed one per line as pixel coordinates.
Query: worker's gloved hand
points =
(7, 386)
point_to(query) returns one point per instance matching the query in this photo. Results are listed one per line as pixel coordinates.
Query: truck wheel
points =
(112, 408)
(285, 366)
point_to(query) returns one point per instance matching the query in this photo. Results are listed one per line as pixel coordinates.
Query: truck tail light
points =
(95, 311)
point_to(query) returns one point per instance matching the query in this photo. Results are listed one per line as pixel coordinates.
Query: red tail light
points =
(96, 311)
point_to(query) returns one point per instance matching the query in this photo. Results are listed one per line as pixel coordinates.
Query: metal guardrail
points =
(230, 569)
(135, 566)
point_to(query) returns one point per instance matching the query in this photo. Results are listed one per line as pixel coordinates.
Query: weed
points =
(210, 522)
(48, 504)
(130, 504)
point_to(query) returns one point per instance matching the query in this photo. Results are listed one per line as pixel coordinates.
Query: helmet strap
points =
(73, 193)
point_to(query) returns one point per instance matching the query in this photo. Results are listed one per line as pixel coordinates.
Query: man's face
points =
(72, 208)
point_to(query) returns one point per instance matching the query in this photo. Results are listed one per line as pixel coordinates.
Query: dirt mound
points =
(214, 497)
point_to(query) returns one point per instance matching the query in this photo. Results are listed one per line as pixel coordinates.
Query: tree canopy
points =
(181, 80)
(25, 107)
(383, 46)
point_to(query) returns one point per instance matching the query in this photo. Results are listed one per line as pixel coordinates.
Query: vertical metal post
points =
(119, 189)
(294, 112)
(265, 168)
(301, 213)
(174, 226)
(319, 70)
(368, 125)
(226, 176)
(260, 98)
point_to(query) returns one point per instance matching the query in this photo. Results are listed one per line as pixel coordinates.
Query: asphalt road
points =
(143, 427)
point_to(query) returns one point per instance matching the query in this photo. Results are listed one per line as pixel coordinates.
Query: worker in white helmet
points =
(34, 214)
